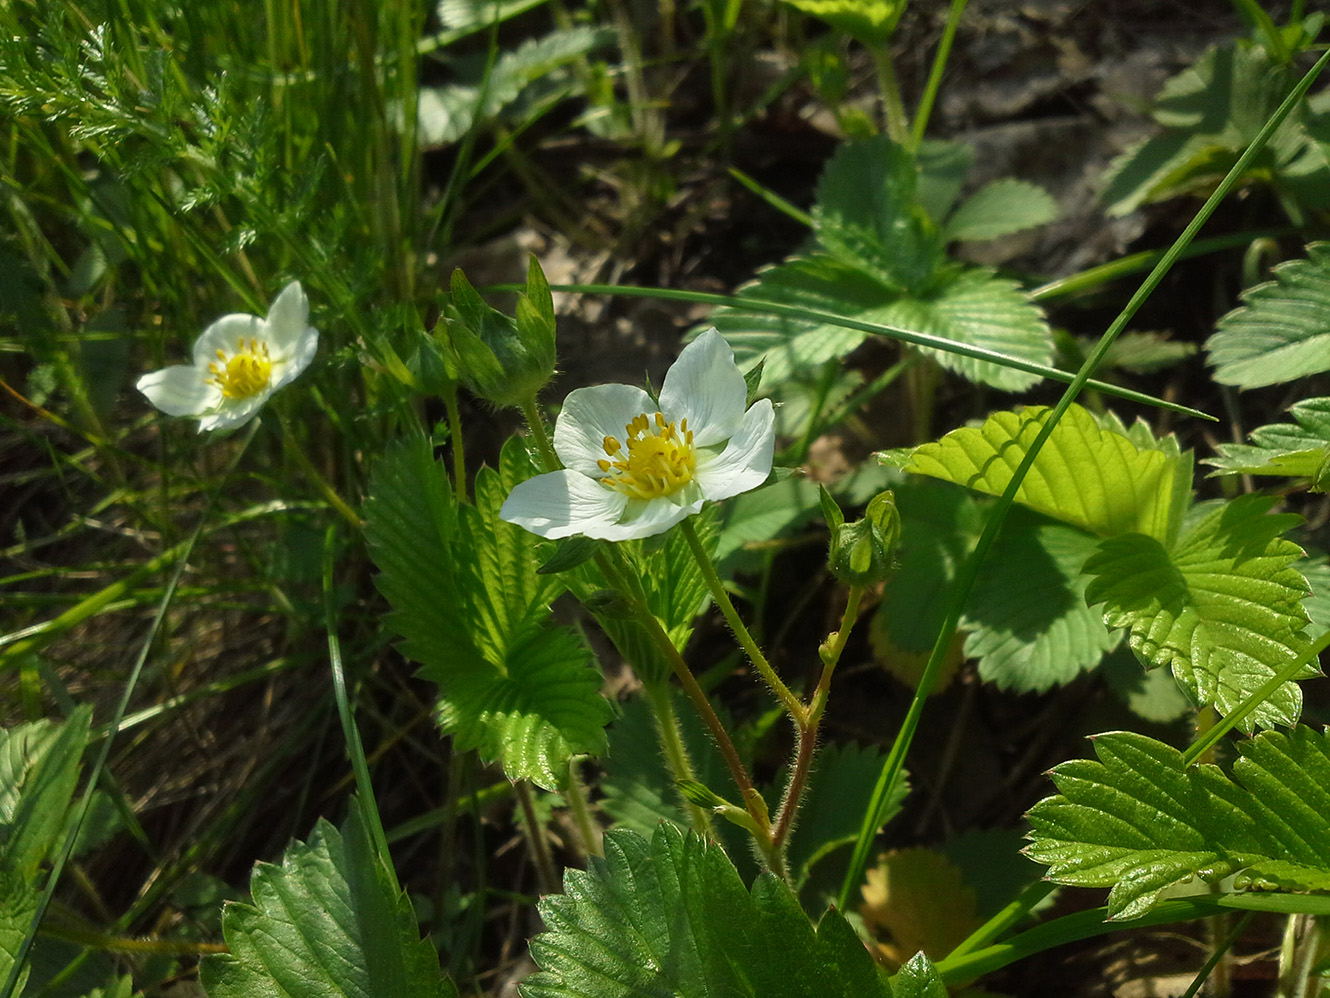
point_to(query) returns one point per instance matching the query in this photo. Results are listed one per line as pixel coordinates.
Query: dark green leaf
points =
(39, 767)
(473, 610)
(671, 918)
(327, 923)
(1139, 822)
(1030, 627)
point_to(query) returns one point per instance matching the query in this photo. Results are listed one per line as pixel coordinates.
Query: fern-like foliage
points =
(1222, 606)
(474, 611)
(1139, 821)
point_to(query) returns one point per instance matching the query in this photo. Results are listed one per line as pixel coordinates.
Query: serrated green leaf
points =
(1138, 822)
(671, 918)
(1212, 110)
(18, 907)
(868, 215)
(1292, 450)
(983, 310)
(1222, 607)
(1030, 627)
(1000, 208)
(791, 347)
(1282, 330)
(1089, 477)
(39, 767)
(474, 611)
(1137, 352)
(327, 923)
(943, 167)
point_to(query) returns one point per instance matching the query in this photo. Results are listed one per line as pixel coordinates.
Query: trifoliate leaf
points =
(1282, 330)
(474, 611)
(915, 901)
(671, 917)
(327, 923)
(1138, 821)
(979, 309)
(1030, 627)
(1292, 450)
(39, 767)
(1000, 208)
(1222, 607)
(1089, 477)
(868, 215)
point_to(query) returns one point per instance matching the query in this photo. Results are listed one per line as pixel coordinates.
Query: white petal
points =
(589, 416)
(646, 518)
(223, 335)
(231, 413)
(288, 321)
(705, 387)
(562, 504)
(284, 372)
(745, 462)
(179, 391)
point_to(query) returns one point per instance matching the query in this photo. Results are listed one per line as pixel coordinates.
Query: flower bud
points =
(503, 360)
(861, 552)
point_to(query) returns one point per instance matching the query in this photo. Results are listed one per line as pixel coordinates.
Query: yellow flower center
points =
(658, 459)
(244, 373)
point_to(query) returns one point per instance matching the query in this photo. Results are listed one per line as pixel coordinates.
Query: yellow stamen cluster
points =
(658, 459)
(245, 373)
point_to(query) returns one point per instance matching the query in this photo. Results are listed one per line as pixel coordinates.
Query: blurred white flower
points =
(633, 469)
(239, 361)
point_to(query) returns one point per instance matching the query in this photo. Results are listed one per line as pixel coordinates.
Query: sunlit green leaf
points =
(1222, 607)
(327, 923)
(867, 21)
(1282, 331)
(980, 309)
(671, 918)
(868, 215)
(1090, 477)
(1294, 450)
(1138, 822)
(473, 609)
(1000, 208)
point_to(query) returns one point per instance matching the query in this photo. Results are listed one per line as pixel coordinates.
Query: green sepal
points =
(569, 553)
(502, 360)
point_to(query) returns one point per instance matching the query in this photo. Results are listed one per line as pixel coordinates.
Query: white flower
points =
(238, 362)
(633, 469)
